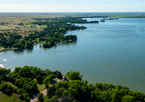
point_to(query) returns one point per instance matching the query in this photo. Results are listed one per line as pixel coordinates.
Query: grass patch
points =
(41, 87)
(55, 79)
(1, 47)
(12, 98)
(41, 42)
(43, 26)
(46, 99)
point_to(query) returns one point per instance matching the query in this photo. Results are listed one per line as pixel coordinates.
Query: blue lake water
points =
(108, 52)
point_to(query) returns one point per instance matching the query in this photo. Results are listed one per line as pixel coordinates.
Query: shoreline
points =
(6, 68)
(6, 49)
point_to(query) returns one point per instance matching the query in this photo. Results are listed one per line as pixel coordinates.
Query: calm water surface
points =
(109, 52)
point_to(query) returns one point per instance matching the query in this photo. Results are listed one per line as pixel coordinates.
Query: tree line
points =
(24, 82)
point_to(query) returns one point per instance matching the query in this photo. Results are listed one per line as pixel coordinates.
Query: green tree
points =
(51, 91)
(17, 69)
(47, 45)
(4, 71)
(62, 84)
(49, 79)
(40, 97)
(29, 45)
(127, 98)
(17, 36)
(18, 46)
(53, 99)
(39, 79)
(74, 75)
(59, 75)
(26, 72)
(7, 89)
(59, 92)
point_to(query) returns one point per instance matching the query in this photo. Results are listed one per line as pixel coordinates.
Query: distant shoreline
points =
(78, 14)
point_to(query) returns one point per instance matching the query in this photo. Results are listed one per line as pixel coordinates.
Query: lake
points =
(108, 52)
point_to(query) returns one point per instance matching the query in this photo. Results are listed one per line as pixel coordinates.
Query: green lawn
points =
(41, 87)
(12, 98)
(43, 26)
(46, 99)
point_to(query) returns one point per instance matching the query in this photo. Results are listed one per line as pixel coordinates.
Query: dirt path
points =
(34, 97)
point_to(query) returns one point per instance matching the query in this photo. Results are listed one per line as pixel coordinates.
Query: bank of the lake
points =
(108, 52)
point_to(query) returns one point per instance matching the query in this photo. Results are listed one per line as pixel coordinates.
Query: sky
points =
(72, 5)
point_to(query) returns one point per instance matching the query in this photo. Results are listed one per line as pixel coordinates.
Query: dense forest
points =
(24, 82)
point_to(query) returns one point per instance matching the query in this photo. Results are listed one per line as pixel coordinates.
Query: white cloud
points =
(19, 8)
(138, 3)
(25, 8)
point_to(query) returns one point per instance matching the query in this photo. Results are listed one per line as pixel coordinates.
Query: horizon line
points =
(74, 12)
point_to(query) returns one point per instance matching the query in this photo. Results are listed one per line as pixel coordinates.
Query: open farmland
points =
(10, 23)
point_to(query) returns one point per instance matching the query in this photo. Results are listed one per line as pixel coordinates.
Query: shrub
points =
(39, 79)
(40, 97)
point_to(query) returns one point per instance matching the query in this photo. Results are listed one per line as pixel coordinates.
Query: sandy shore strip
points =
(6, 49)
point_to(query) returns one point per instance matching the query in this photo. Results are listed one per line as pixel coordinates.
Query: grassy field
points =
(12, 98)
(12, 24)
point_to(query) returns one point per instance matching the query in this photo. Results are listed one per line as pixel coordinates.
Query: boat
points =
(103, 20)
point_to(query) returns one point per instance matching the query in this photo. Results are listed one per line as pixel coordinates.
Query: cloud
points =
(26, 8)
(138, 3)
(19, 8)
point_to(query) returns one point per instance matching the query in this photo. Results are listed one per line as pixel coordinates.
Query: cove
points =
(108, 52)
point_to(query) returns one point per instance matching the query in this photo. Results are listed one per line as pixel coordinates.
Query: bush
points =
(59, 92)
(74, 75)
(16, 90)
(4, 71)
(0, 79)
(53, 99)
(7, 89)
(40, 97)
(49, 79)
(19, 46)
(59, 75)
(47, 45)
(127, 98)
(67, 99)
(39, 79)
(51, 91)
